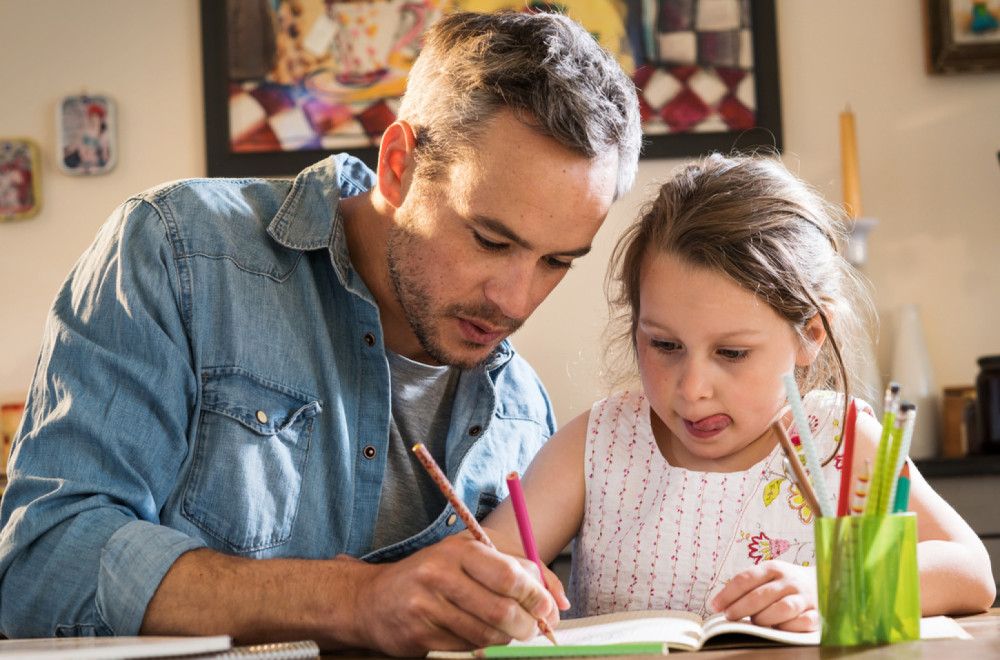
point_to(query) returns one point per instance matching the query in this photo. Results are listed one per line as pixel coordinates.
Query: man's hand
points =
(773, 593)
(457, 594)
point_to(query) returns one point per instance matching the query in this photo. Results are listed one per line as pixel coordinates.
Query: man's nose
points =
(513, 291)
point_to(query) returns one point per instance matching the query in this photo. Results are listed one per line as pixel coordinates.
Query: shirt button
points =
(262, 417)
(451, 520)
(476, 430)
(369, 452)
(369, 339)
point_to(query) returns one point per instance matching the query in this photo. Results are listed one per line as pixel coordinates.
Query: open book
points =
(654, 632)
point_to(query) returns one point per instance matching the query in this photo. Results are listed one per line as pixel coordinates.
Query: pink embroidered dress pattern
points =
(656, 536)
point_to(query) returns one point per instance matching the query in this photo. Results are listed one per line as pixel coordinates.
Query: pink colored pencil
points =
(844, 501)
(523, 522)
(439, 477)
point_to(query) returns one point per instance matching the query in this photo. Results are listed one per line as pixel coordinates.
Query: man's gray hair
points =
(545, 68)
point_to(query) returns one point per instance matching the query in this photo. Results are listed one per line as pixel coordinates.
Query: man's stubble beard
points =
(419, 308)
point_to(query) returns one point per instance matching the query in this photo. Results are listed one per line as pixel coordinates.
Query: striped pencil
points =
(441, 479)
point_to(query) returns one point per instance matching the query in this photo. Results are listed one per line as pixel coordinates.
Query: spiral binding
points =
(273, 651)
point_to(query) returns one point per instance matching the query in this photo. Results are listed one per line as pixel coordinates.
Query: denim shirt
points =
(213, 375)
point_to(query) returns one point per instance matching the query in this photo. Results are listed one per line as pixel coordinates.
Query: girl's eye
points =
(734, 354)
(665, 346)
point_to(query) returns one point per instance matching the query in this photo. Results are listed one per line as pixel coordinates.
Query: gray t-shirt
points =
(422, 398)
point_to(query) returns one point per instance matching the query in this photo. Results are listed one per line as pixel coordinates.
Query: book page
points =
(937, 627)
(678, 629)
(942, 627)
(717, 624)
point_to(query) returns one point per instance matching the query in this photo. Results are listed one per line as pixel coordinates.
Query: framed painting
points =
(288, 82)
(87, 130)
(20, 176)
(962, 35)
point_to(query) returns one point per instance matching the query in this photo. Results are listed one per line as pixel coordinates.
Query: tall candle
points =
(849, 163)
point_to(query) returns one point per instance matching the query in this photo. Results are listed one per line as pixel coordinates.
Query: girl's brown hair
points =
(749, 218)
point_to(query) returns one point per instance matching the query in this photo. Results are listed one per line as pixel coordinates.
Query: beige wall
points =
(928, 158)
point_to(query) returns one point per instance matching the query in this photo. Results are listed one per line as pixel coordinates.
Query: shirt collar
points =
(309, 216)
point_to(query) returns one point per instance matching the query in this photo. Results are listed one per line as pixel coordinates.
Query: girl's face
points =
(711, 358)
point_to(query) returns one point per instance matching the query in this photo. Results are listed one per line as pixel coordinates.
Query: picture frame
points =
(20, 179)
(278, 95)
(87, 134)
(962, 35)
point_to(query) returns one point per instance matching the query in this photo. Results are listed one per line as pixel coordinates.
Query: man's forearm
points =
(457, 594)
(257, 600)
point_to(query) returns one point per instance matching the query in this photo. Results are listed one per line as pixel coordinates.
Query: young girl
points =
(676, 494)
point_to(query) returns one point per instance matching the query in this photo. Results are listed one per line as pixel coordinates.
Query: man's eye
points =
(488, 245)
(558, 263)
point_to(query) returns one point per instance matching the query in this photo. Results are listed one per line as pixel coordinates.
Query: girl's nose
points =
(695, 382)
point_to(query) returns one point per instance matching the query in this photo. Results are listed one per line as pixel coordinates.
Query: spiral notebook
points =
(219, 647)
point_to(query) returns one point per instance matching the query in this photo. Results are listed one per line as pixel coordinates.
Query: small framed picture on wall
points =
(87, 129)
(962, 35)
(20, 178)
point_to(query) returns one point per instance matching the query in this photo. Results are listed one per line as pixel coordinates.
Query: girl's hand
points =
(773, 593)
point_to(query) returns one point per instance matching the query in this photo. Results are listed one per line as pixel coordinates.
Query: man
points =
(217, 436)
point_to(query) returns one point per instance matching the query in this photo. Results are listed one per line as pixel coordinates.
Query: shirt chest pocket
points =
(250, 453)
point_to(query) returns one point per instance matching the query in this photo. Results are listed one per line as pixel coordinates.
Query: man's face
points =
(471, 256)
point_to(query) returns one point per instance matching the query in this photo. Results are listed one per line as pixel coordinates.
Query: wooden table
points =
(984, 628)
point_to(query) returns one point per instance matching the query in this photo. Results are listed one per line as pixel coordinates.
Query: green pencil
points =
(891, 407)
(573, 651)
(902, 502)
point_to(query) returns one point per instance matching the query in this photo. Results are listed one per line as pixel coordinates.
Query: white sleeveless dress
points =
(656, 536)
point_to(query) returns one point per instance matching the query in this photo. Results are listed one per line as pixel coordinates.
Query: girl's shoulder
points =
(827, 414)
(824, 401)
(622, 400)
(628, 407)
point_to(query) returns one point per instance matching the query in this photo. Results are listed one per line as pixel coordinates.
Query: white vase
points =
(911, 368)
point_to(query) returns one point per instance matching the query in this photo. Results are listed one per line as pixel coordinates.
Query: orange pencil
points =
(861, 489)
(439, 477)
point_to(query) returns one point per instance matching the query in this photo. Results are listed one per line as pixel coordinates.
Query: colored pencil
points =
(861, 488)
(524, 523)
(843, 501)
(808, 446)
(910, 412)
(889, 411)
(799, 476)
(902, 502)
(441, 479)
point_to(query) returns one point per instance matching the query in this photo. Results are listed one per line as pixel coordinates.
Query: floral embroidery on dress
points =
(772, 490)
(798, 502)
(761, 547)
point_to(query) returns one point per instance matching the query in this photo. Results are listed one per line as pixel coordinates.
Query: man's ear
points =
(814, 334)
(395, 157)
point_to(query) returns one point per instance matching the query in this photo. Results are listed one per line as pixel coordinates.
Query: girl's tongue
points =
(711, 424)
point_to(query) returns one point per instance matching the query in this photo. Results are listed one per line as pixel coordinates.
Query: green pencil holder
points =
(867, 579)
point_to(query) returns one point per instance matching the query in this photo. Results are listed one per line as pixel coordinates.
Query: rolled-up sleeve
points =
(104, 436)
